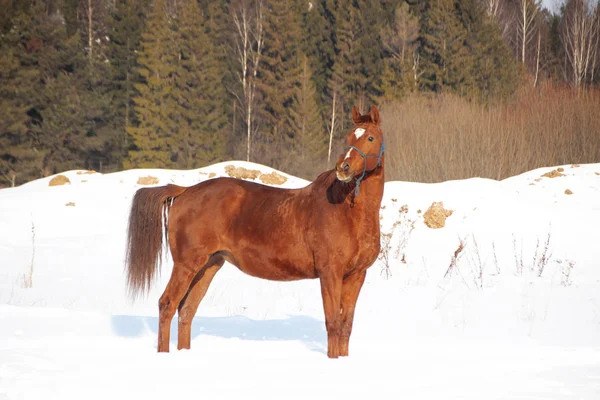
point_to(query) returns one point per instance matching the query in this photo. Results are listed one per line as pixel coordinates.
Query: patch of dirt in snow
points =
(59, 180)
(436, 214)
(147, 180)
(273, 178)
(241, 172)
(555, 173)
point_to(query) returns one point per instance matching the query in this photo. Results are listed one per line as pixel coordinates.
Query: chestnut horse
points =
(327, 230)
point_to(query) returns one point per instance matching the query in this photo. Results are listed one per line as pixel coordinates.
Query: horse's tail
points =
(149, 208)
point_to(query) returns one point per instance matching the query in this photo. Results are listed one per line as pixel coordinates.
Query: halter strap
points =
(381, 150)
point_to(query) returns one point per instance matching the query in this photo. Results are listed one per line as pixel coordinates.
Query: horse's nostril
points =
(346, 167)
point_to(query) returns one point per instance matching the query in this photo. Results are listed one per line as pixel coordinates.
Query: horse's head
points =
(364, 146)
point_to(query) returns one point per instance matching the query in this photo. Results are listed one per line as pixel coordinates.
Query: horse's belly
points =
(274, 268)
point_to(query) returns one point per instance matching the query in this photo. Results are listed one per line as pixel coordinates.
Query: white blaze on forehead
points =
(348, 154)
(359, 132)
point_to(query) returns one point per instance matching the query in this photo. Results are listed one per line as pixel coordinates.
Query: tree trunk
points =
(537, 61)
(90, 14)
(331, 129)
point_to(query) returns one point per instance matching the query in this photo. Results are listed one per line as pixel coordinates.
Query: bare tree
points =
(402, 33)
(331, 129)
(580, 35)
(493, 7)
(92, 16)
(537, 58)
(248, 43)
(528, 21)
(504, 15)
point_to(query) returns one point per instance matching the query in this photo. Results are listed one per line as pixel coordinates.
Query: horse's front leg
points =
(331, 291)
(351, 286)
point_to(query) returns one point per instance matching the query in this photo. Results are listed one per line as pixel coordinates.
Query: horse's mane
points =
(335, 190)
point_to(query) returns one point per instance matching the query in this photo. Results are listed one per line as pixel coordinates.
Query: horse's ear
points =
(355, 114)
(375, 115)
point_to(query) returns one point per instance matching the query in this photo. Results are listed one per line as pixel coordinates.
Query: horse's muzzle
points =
(342, 172)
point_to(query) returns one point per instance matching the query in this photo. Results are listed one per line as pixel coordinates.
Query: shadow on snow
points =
(304, 329)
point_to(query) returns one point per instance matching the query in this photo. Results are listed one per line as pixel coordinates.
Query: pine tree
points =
(319, 48)
(19, 160)
(345, 82)
(368, 56)
(312, 140)
(445, 55)
(156, 100)
(58, 123)
(202, 121)
(56, 120)
(125, 34)
(493, 72)
(398, 40)
(281, 75)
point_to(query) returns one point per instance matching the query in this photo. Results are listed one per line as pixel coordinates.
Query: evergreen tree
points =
(125, 33)
(368, 57)
(398, 40)
(202, 121)
(319, 48)
(345, 81)
(155, 102)
(281, 75)
(444, 52)
(19, 160)
(493, 73)
(312, 140)
(57, 114)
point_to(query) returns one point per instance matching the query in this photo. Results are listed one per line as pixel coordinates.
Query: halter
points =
(381, 150)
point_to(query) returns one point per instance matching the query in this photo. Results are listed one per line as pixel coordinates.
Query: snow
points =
(514, 318)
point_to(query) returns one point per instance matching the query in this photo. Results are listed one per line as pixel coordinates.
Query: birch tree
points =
(93, 15)
(580, 34)
(248, 45)
(527, 26)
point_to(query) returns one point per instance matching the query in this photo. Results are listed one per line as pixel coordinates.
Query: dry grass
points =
(455, 257)
(434, 139)
(28, 276)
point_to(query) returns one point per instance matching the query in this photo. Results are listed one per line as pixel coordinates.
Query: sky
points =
(552, 5)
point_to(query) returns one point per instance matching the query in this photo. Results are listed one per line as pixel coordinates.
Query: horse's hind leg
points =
(189, 304)
(178, 285)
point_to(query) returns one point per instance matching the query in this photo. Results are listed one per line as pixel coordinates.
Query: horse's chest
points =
(367, 249)
(360, 245)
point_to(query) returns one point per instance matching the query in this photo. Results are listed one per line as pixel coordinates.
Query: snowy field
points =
(511, 313)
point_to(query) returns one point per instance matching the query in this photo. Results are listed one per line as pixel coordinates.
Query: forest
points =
(466, 87)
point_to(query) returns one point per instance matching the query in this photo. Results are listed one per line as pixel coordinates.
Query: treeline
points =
(112, 84)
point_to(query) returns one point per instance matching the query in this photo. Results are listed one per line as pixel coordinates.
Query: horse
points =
(328, 230)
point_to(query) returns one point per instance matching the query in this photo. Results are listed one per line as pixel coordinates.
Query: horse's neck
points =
(339, 193)
(371, 189)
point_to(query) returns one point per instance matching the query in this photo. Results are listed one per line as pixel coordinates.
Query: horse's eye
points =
(371, 138)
